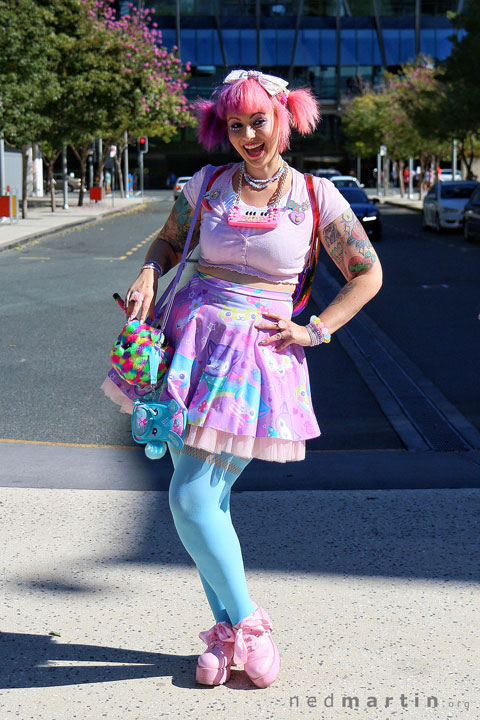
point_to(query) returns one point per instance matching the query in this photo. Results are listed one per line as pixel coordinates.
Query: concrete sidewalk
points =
(413, 204)
(373, 594)
(394, 198)
(41, 221)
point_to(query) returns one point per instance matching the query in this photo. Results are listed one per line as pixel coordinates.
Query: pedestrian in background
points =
(239, 365)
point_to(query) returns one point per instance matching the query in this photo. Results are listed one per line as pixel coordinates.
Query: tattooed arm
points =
(166, 250)
(348, 245)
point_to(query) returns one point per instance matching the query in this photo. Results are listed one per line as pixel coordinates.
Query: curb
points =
(75, 223)
(402, 205)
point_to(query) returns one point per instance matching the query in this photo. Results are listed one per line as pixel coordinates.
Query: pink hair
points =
(301, 111)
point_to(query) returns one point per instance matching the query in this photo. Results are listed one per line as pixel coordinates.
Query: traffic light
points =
(142, 144)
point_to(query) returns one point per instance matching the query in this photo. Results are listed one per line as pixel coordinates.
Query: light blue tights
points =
(199, 499)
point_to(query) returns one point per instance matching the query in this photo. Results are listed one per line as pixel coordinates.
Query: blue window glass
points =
(428, 46)
(268, 47)
(328, 51)
(205, 46)
(348, 55)
(169, 39)
(365, 47)
(188, 43)
(391, 42)
(284, 47)
(231, 41)
(311, 48)
(248, 47)
(407, 45)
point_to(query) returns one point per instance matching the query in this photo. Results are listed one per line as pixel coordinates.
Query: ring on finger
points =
(136, 295)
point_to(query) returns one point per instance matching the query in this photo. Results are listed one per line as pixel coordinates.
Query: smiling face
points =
(255, 137)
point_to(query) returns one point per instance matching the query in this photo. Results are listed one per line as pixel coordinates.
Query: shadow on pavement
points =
(25, 662)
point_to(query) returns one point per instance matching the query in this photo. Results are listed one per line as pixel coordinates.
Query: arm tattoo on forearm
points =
(176, 228)
(347, 233)
(343, 293)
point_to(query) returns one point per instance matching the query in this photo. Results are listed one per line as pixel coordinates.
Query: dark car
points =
(325, 172)
(471, 224)
(365, 210)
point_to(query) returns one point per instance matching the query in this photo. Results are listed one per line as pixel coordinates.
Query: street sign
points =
(383, 150)
(113, 150)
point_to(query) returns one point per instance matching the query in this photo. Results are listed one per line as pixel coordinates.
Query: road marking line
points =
(131, 251)
(60, 444)
(30, 257)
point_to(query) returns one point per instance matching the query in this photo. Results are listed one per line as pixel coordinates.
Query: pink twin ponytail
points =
(304, 110)
(212, 130)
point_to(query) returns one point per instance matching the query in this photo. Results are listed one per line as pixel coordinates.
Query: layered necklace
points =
(262, 218)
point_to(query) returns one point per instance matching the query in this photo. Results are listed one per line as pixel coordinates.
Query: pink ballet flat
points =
(213, 666)
(255, 649)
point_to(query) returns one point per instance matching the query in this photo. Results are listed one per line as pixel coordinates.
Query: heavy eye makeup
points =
(257, 123)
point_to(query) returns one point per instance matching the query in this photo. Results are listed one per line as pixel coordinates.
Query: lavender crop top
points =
(277, 255)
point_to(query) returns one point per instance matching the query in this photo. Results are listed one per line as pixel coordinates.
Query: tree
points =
(403, 115)
(153, 102)
(27, 83)
(461, 88)
(72, 71)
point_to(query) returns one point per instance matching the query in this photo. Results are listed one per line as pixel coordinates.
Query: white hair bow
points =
(271, 83)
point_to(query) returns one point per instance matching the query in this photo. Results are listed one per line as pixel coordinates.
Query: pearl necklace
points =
(261, 183)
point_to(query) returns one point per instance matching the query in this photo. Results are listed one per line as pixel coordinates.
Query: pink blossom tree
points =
(153, 79)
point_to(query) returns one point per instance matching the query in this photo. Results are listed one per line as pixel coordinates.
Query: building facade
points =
(337, 47)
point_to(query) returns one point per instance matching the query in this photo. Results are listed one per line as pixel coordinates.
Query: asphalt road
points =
(59, 322)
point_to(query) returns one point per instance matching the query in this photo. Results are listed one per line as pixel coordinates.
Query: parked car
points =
(346, 181)
(73, 181)
(178, 187)
(444, 204)
(325, 172)
(365, 209)
(447, 175)
(471, 224)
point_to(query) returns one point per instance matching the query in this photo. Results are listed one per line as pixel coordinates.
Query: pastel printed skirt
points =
(242, 398)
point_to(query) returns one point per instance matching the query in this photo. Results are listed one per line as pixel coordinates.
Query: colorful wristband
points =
(318, 332)
(152, 265)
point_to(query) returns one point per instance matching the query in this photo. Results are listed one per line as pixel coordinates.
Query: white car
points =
(178, 187)
(342, 181)
(444, 204)
(447, 175)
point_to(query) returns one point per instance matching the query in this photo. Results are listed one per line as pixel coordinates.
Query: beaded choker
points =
(265, 219)
(261, 183)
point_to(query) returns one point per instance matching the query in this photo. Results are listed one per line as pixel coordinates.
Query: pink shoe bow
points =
(222, 632)
(245, 629)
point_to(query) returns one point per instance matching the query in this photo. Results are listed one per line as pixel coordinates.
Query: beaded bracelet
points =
(152, 265)
(317, 331)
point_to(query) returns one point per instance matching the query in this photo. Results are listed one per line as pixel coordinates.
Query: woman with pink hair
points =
(239, 366)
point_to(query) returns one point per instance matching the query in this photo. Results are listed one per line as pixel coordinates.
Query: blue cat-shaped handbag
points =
(155, 423)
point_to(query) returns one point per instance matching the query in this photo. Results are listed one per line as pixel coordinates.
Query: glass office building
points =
(337, 47)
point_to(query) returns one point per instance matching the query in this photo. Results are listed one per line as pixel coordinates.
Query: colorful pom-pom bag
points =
(140, 358)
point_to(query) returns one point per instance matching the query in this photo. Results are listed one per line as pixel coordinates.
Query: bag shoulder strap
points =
(304, 286)
(205, 199)
(170, 291)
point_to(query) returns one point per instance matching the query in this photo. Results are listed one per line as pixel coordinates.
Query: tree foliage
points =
(72, 71)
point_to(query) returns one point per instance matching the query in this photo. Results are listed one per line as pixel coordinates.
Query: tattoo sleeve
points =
(175, 230)
(348, 245)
